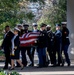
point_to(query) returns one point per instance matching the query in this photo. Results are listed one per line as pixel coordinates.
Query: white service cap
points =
(16, 29)
(19, 24)
(48, 26)
(63, 22)
(34, 24)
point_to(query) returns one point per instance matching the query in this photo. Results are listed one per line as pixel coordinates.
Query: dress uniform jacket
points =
(65, 44)
(50, 47)
(65, 36)
(58, 37)
(58, 45)
(50, 37)
(42, 39)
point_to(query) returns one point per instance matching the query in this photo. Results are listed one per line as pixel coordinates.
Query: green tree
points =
(40, 1)
(55, 14)
(9, 10)
(59, 11)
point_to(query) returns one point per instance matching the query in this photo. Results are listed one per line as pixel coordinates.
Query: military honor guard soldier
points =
(28, 49)
(65, 41)
(58, 45)
(42, 44)
(50, 46)
(35, 29)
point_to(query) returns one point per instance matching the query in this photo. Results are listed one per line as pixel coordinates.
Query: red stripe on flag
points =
(28, 39)
(27, 44)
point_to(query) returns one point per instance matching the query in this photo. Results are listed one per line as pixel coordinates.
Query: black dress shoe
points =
(68, 64)
(25, 65)
(63, 62)
(54, 65)
(57, 64)
(62, 65)
(39, 66)
(46, 65)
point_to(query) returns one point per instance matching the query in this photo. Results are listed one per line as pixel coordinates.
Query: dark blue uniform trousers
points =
(65, 49)
(23, 53)
(42, 56)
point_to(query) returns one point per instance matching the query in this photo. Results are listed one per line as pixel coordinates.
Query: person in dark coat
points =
(65, 41)
(15, 52)
(6, 45)
(42, 44)
(58, 44)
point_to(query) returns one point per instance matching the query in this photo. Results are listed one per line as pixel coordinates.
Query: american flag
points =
(28, 39)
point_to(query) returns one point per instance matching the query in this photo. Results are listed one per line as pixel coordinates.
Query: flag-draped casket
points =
(29, 39)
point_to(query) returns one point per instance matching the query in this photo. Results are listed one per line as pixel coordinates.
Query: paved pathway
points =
(45, 71)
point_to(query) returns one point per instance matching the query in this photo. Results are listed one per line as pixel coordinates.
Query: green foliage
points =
(8, 4)
(55, 14)
(58, 13)
(29, 15)
(14, 73)
(40, 1)
(2, 72)
(10, 15)
(2, 26)
(1, 42)
(9, 10)
(1, 53)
